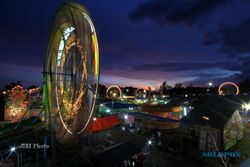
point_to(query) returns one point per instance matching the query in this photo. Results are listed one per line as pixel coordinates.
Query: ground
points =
(191, 157)
(244, 148)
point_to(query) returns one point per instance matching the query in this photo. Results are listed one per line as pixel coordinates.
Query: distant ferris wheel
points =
(228, 88)
(140, 93)
(71, 72)
(114, 92)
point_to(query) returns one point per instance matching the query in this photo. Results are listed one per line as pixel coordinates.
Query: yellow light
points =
(110, 92)
(228, 83)
(246, 106)
(96, 54)
(210, 84)
(206, 118)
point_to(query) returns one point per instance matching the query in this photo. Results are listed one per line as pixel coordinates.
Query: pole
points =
(18, 159)
(45, 150)
(180, 138)
(210, 132)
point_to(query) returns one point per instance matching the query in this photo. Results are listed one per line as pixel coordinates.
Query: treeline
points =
(179, 89)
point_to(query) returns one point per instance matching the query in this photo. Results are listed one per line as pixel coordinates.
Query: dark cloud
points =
(210, 38)
(124, 45)
(171, 67)
(235, 40)
(242, 65)
(173, 12)
(232, 40)
(25, 32)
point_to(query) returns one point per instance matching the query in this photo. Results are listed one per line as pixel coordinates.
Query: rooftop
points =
(216, 110)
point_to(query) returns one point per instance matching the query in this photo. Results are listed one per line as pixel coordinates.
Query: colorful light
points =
(71, 71)
(140, 93)
(185, 111)
(114, 91)
(125, 116)
(228, 83)
(210, 84)
(206, 118)
(16, 105)
(246, 106)
(12, 149)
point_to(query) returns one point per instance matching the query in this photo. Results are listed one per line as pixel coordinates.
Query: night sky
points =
(142, 43)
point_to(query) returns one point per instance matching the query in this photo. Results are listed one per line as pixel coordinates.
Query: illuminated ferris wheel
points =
(228, 88)
(71, 72)
(114, 92)
(140, 93)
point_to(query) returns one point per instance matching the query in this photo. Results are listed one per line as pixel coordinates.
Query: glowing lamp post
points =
(210, 84)
(12, 149)
(245, 109)
(246, 106)
(125, 116)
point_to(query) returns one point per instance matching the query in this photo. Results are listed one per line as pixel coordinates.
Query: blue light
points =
(185, 111)
(12, 149)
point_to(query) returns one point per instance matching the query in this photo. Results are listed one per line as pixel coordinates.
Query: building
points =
(150, 122)
(16, 105)
(214, 122)
(2, 105)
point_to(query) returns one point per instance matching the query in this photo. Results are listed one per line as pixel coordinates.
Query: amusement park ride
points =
(115, 92)
(140, 93)
(18, 102)
(228, 88)
(71, 73)
(70, 82)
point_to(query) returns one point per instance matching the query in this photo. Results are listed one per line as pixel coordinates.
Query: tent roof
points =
(218, 109)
